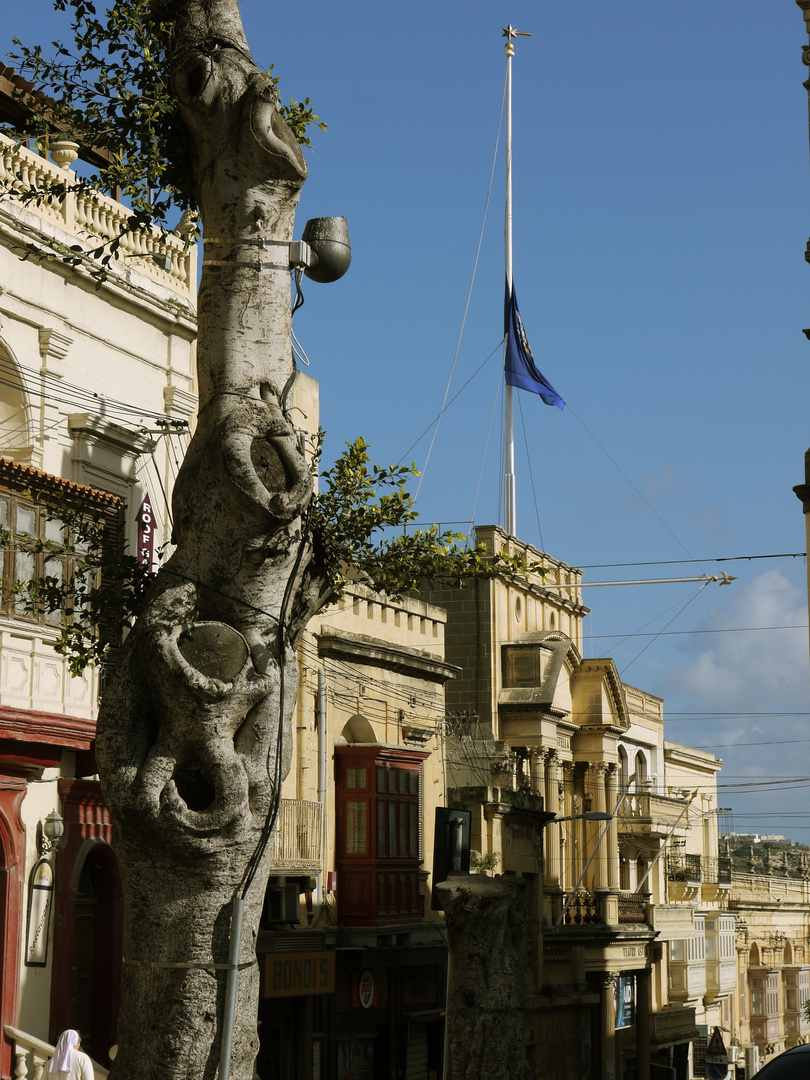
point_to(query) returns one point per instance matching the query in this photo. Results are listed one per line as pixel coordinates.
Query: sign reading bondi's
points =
(294, 974)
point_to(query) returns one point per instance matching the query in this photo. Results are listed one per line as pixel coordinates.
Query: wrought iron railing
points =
(632, 908)
(684, 867)
(583, 909)
(717, 871)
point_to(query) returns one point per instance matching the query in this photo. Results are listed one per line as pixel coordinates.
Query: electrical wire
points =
(469, 296)
(470, 527)
(254, 862)
(455, 396)
(719, 630)
(646, 501)
(690, 562)
(43, 385)
(677, 615)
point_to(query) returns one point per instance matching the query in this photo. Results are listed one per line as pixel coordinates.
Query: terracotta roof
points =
(23, 476)
(16, 97)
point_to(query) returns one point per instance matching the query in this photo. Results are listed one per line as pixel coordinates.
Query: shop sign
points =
(146, 533)
(624, 1000)
(296, 974)
(366, 989)
(40, 901)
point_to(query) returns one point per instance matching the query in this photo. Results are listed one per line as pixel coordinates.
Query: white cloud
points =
(761, 670)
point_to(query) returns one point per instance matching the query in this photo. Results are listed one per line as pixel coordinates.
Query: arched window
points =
(640, 769)
(15, 426)
(623, 769)
(358, 730)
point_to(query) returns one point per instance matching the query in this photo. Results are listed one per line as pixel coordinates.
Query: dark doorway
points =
(96, 983)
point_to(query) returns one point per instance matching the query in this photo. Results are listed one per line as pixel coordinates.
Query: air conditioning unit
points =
(282, 905)
(751, 1061)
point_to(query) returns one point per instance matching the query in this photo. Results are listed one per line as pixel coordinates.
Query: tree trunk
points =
(193, 734)
(487, 930)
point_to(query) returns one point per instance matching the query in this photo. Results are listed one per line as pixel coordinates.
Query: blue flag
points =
(520, 367)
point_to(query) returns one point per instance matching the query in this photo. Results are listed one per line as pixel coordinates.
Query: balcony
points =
(646, 812)
(717, 871)
(672, 921)
(673, 1024)
(721, 978)
(295, 844)
(92, 218)
(603, 908)
(684, 868)
(687, 980)
(796, 982)
(721, 955)
(583, 909)
(716, 879)
(632, 908)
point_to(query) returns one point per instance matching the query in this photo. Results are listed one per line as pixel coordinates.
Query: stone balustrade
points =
(649, 807)
(31, 1053)
(91, 217)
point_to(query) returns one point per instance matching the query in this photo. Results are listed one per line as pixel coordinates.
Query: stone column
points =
(576, 855)
(551, 803)
(643, 1024)
(487, 932)
(611, 841)
(538, 774)
(608, 1047)
(597, 876)
(568, 872)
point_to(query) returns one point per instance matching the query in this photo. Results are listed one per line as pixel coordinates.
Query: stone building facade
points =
(96, 400)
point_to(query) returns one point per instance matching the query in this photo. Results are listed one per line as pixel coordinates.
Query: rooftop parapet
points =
(91, 218)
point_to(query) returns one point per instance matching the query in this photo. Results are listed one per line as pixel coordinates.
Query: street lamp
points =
(53, 829)
(592, 815)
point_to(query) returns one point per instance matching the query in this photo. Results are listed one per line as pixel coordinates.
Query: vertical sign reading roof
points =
(146, 533)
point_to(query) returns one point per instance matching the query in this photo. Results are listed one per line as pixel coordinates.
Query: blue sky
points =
(661, 203)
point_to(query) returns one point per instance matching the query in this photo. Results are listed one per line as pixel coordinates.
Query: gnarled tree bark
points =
(487, 926)
(192, 744)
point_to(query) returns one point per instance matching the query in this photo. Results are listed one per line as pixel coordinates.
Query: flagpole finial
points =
(510, 32)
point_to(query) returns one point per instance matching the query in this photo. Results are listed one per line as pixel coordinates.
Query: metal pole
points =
(509, 507)
(723, 578)
(575, 889)
(666, 841)
(230, 990)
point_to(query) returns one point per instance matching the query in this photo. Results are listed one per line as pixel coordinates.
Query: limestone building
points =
(642, 938)
(96, 398)
(632, 949)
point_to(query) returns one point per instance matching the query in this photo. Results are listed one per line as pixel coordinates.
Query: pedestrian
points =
(68, 1061)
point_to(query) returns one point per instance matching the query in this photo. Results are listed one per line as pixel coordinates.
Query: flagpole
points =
(509, 495)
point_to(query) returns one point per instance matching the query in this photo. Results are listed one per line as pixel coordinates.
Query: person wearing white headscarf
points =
(68, 1061)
